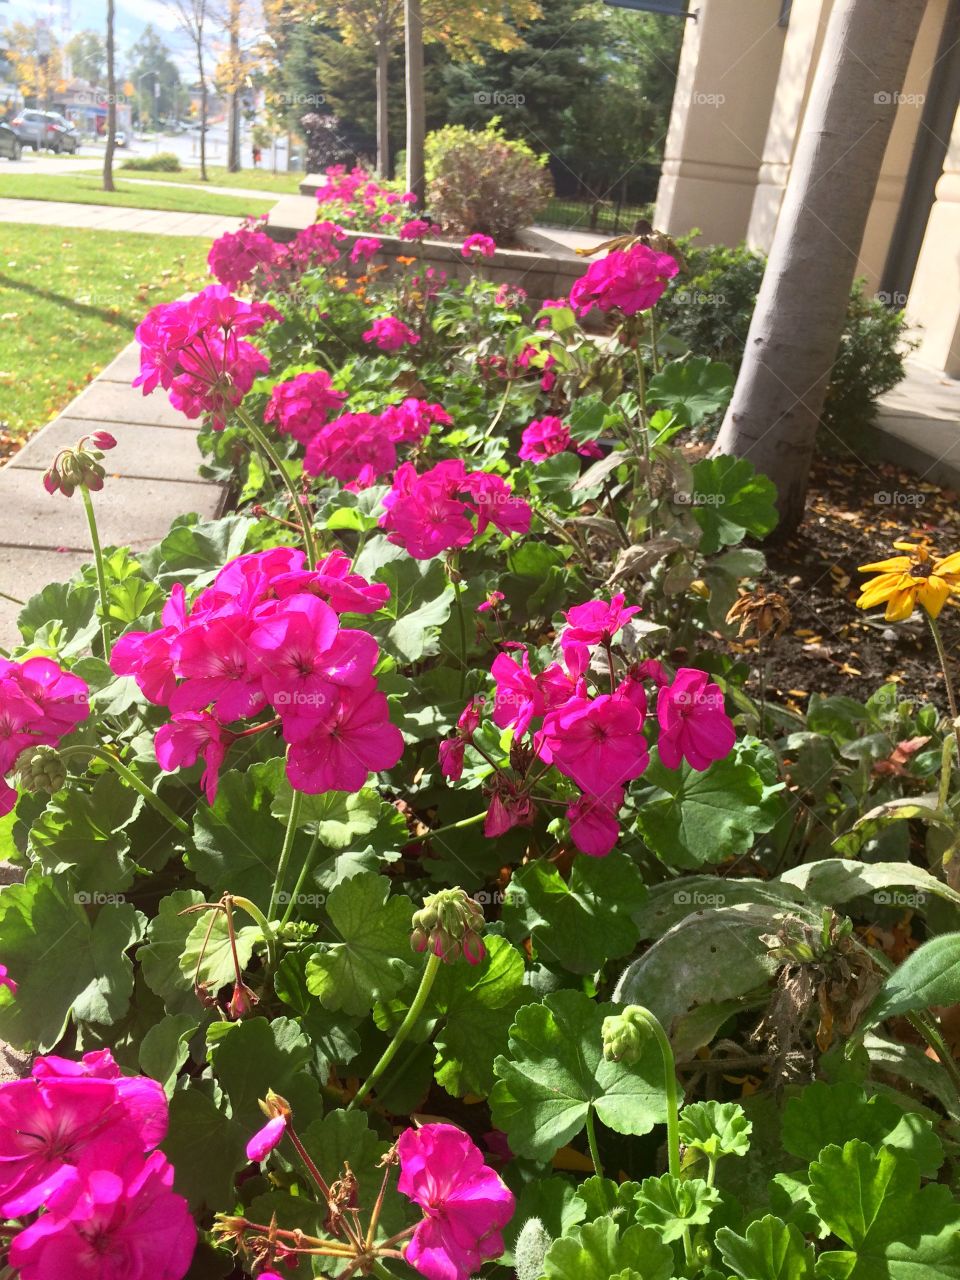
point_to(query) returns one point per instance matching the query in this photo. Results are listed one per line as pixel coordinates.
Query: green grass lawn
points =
(70, 301)
(87, 190)
(254, 179)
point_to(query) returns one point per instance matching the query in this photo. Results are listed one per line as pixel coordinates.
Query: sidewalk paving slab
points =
(106, 401)
(917, 425)
(147, 452)
(100, 217)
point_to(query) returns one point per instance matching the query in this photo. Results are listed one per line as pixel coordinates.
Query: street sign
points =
(676, 8)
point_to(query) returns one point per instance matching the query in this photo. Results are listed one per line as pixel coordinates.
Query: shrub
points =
(483, 181)
(710, 311)
(162, 162)
(325, 145)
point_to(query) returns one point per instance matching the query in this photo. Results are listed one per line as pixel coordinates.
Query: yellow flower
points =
(919, 577)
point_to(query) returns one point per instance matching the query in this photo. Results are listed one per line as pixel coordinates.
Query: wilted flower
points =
(762, 612)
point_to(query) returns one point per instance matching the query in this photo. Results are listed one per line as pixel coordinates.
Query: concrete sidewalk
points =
(917, 425)
(151, 479)
(137, 176)
(99, 217)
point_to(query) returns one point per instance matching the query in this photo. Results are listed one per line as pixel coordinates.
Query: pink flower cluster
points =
(360, 198)
(478, 246)
(418, 229)
(390, 334)
(596, 740)
(531, 357)
(237, 256)
(196, 350)
(626, 280)
(301, 406)
(447, 507)
(78, 1141)
(40, 704)
(358, 448)
(267, 633)
(548, 436)
(465, 1203)
(365, 248)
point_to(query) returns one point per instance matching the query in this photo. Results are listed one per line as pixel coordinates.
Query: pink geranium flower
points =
(189, 735)
(597, 742)
(626, 280)
(416, 229)
(236, 256)
(594, 828)
(301, 406)
(266, 1139)
(365, 248)
(6, 980)
(410, 422)
(111, 1224)
(390, 334)
(355, 449)
(693, 723)
(478, 245)
(466, 1204)
(597, 621)
(335, 747)
(40, 704)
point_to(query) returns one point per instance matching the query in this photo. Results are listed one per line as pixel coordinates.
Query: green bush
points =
(709, 312)
(162, 162)
(479, 180)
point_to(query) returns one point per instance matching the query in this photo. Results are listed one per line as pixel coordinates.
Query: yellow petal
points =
(896, 564)
(879, 589)
(948, 565)
(901, 603)
(933, 595)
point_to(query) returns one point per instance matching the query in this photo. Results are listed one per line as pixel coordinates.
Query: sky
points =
(131, 18)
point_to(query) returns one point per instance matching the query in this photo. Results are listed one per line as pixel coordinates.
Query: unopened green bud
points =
(449, 924)
(624, 1035)
(41, 768)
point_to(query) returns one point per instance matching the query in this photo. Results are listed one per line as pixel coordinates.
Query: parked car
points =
(10, 144)
(67, 134)
(45, 129)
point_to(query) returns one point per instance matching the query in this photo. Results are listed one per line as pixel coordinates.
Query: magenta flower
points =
(301, 406)
(417, 229)
(196, 350)
(314, 246)
(237, 255)
(693, 723)
(410, 422)
(355, 449)
(594, 828)
(346, 592)
(337, 746)
(626, 280)
(145, 655)
(40, 704)
(187, 736)
(599, 743)
(6, 980)
(465, 1203)
(478, 245)
(266, 1139)
(597, 621)
(543, 438)
(122, 1223)
(365, 248)
(435, 511)
(390, 334)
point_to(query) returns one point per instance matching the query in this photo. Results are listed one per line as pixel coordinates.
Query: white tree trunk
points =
(416, 111)
(111, 100)
(383, 104)
(796, 327)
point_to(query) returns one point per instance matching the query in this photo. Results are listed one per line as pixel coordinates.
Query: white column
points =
(726, 82)
(934, 302)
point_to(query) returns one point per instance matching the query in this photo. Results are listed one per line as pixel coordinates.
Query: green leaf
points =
(577, 923)
(166, 1047)
(929, 976)
(420, 602)
(835, 880)
(195, 550)
(62, 961)
(336, 818)
(770, 1250)
(556, 1072)
(255, 1055)
(670, 1205)
(62, 618)
(159, 958)
(206, 1149)
(694, 387)
(81, 831)
(477, 1004)
(702, 818)
(731, 500)
(238, 841)
(371, 955)
(873, 1201)
(597, 1251)
(216, 969)
(715, 1128)
(831, 1114)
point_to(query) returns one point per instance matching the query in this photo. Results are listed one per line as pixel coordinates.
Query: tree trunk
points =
(798, 321)
(203, 116)
(383, 94)
(111, 102)
(416, 112)
(233, 131)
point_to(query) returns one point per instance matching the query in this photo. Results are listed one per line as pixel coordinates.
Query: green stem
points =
(101, 576)
(301, 878)
(378, 1269)
(295, 803)
(456, 826)
(945, 666)
(12, 599)
(132, 780)
(925, 1024)
(298, 504)
(430, 971)
(592, 1142)
(254, 912)
(461, 618)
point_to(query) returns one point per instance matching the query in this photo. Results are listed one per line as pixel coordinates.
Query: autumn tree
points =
(36, 59)
(87, 56)
(192, 18)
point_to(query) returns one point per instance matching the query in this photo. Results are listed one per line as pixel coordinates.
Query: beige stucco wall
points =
(934, 303)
